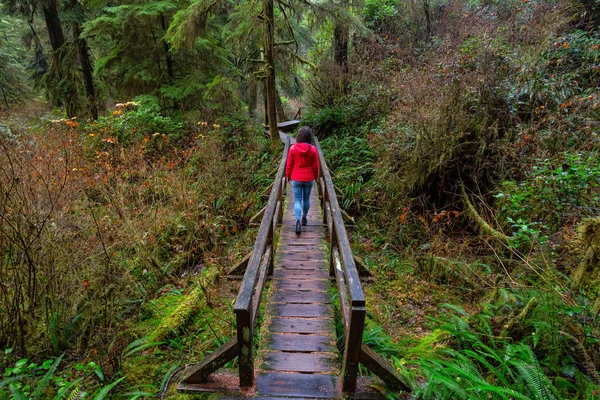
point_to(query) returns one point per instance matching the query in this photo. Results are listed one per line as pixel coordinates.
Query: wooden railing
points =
(352, 300)
(259, 265)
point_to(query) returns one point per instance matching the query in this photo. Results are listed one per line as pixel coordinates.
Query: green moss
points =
(428, 346)
(186, 307)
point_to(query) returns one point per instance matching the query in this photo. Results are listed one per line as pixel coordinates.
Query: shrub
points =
(135, 125)
(555, 191)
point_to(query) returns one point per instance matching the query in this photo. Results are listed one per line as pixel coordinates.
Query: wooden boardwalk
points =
(298, 356)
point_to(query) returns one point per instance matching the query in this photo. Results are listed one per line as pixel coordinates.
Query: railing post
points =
(352, 350)
(245, 336)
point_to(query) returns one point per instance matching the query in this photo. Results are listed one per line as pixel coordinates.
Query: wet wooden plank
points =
(301, 285)
(308, 274)
(299, 248)
(302, 325)
(291, 124)
(300, 297)
(302, 256)
(299, 385)
(301, 310)
(300, 362)
(305, 265)
(301, 240)
(301, 343)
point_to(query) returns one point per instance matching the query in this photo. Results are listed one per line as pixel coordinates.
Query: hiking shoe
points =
(303, 220)
(298, 228)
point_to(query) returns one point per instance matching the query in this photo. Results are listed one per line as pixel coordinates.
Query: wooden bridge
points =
(297, 354)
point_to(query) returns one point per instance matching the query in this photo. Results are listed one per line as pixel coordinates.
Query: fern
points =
(74, 394)
(102, 393)
(17, 393)
(505, 393)
(41, 387)
(536, 380)
(65, 389)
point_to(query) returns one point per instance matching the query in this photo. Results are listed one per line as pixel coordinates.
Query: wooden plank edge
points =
(376, 364)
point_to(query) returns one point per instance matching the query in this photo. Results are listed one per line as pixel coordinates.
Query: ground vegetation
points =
(462, 136)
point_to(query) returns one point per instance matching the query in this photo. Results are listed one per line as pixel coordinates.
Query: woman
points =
(302, 169)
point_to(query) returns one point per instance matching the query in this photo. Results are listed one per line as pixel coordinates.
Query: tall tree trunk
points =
(427, 11)
(252, 97)
(270, 73)
(86, 65)
(340, 37)
(279, 106)
(57, 40)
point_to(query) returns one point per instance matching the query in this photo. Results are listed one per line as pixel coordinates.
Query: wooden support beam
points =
(363, 270)
(198, 372)
(376, 364)
(267, 192)
(255, 220)
(240, 267)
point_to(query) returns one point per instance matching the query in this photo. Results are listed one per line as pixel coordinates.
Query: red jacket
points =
(302, 163)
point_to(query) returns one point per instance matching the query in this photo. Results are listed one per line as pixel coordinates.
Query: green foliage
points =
(351, 160)
(28, 380)
(483, 362)
(556, 190)
(133, 126)
(381, 13)
(327, 121)
(566, 68)
(13, 78)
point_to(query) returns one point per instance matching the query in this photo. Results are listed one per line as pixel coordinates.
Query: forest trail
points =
(297, 355)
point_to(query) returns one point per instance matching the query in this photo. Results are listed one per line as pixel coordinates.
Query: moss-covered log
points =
(188, 305)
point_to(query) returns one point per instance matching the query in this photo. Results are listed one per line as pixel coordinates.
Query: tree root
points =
(482, 225)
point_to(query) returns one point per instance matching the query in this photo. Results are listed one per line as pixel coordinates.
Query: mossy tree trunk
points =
(340, 39)
(86, 65)
(280, 111)
(271, 90)
(64, 91)
(427, 12)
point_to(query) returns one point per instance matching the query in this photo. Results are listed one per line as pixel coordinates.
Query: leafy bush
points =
(381, 14)
(504, 351)
(556, 190)
(28, 380)
(131, 124)
(327, 121)
(351, 160)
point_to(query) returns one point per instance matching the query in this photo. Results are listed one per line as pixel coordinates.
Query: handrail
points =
(260, 264)
(244, 310)
(248, 300)
(352, 299)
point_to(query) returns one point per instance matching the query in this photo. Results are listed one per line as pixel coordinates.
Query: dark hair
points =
(304, 135)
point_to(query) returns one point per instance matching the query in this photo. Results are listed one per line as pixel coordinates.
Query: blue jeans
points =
(301, 197)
